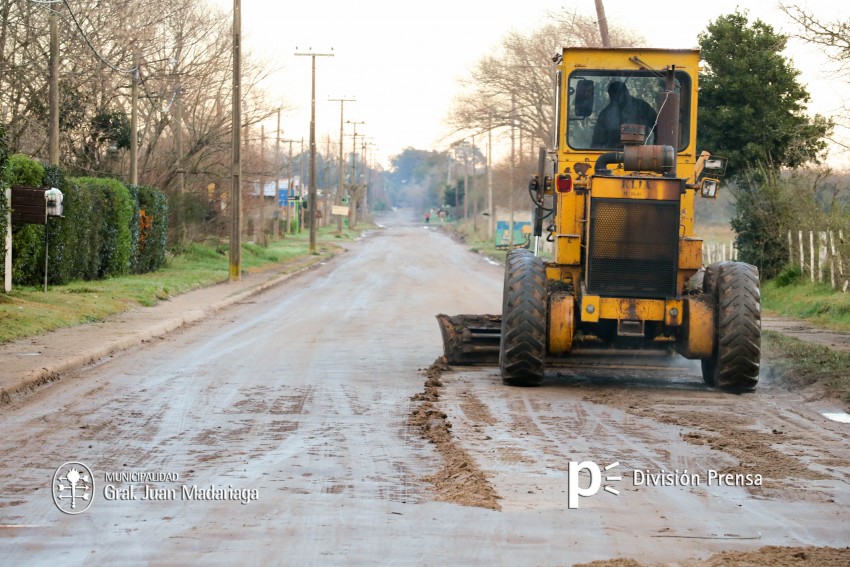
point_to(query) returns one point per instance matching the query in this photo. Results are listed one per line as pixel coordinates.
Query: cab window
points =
(599, 102)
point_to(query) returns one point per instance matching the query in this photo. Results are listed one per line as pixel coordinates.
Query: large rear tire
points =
(734, 365)
(522, 350)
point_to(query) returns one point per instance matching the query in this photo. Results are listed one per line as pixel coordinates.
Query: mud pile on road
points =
(770, 555)
(459, 481)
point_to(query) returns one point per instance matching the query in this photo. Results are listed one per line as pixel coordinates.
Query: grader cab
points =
(615, 198)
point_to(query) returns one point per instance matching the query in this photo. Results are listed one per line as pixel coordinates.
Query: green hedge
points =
(99, 235)
(111, 211)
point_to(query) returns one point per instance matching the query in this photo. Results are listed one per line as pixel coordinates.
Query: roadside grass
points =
(476, 238)
(810, 302)
(29, 311)
(804, 364)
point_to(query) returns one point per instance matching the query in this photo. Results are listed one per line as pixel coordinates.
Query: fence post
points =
(812, 254)
(802, 254)
(831, 250)
(790, 249)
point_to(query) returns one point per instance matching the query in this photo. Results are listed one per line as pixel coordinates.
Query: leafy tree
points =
(416, 177)
(752, 111)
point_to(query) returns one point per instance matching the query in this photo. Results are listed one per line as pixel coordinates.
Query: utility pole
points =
(276, 228)
(134, 123)
(326, 213)
(603, 23)
(465, 185)
(236, 148)
(492, 218)
(301, 186)
(474, 201)
(289, 188)
(351, 200)
(511, 175)
(262, 183)
(338, 199)
(53, 142)
(312, 190)
(178, 147)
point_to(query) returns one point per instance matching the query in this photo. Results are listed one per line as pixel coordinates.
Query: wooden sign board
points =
(28, 205)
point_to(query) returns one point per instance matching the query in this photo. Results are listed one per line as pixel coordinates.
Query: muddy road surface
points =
(298, 429)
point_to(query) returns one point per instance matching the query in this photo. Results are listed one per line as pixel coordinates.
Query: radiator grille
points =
(634, 248)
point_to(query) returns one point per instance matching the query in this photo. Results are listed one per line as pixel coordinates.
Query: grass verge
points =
(815, 303)
(804, 364)
(29, 311)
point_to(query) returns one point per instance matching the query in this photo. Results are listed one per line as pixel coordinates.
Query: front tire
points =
(522, 350)
(734, 365)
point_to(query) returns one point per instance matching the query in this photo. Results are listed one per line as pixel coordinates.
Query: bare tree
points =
(177, 47)
(515, 84)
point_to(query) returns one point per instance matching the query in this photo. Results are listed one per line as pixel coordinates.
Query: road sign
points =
(282, 199)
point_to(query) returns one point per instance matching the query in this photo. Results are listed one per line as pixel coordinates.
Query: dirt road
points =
(291, 413)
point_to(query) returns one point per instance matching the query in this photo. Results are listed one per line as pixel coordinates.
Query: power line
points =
(86, 39)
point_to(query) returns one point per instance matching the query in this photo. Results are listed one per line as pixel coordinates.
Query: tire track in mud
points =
(460, 480)
(769, 442)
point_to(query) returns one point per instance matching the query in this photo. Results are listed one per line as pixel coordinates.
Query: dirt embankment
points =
(460, 480)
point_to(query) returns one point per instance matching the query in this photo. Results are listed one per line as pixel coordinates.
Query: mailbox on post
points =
(54, 197)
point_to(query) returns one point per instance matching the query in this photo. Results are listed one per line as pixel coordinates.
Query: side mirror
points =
(708, 188)
(583, 104)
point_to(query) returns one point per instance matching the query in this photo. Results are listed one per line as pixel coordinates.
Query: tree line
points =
(180, 52)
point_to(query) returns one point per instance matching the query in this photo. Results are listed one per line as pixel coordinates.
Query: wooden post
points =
(812, 254)
(831, 260)
(790, 248)
(802, 255)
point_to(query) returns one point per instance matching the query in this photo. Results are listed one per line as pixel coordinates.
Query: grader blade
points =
(471, 339)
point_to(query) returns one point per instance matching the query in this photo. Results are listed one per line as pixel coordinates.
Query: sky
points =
(404, 61)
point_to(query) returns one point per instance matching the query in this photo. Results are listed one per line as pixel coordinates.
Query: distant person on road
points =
(622, 109)
(427, 218)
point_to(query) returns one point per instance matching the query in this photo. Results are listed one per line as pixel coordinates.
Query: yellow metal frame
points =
(571, 224)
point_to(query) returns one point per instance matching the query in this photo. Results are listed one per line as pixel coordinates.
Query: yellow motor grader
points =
(616, 197)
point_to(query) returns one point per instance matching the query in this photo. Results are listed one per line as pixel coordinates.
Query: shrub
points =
(150, 225)
(112, 211)
(790, 275)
